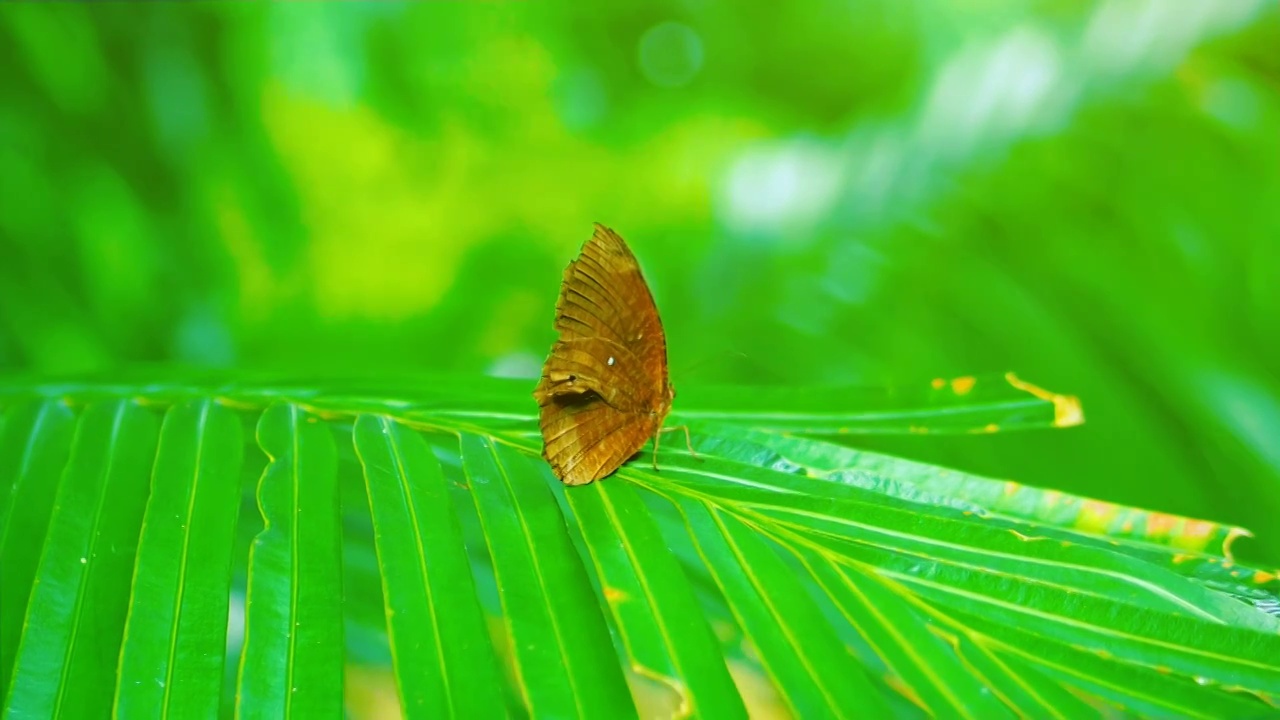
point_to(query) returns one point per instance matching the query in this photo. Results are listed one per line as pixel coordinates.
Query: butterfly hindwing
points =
(585, 439)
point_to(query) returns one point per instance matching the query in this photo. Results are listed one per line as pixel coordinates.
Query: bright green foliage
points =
(856, 219)
(651, 603)
(831, 192)
(770, 570)
(80, 593)
(293, 608)
(33, 450)
(432, 609)
(182, 578)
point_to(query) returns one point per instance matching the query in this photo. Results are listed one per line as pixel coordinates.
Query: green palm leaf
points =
(411, 523)
(171, 657)
(444, 662)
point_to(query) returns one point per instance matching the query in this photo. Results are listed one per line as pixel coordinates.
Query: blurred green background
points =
(832, 192)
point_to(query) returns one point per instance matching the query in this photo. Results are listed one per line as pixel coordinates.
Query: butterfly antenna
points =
(688, 369)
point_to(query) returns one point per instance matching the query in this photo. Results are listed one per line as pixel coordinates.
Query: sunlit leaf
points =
(33, 448)
(432, 609)
(554, 620)
(768, 570)
(651, 601)
(81, 594)
(172, 656)
(293, 616)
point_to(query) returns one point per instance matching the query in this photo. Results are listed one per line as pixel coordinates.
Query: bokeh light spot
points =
(774, 186)
(670, 54)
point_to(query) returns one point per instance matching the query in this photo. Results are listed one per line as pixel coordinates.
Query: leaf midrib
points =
(85, 570)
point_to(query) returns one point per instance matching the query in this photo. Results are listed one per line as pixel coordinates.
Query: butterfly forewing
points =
(604, 390)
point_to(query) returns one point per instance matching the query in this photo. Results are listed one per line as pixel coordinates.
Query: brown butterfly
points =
(604, 390)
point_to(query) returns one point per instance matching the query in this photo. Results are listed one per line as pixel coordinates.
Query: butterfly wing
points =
(604, 389)
(600, 367)
(586, 439)
(604, 295)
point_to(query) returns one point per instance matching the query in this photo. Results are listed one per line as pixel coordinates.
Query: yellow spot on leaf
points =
(1198, 529)
(657, 696)
(1067, 411)
(758, 694)
(1160, 524)
(949, 638)
(1095, 516)
(1011, 488)
(918, 430)
(939, 383)
(501, 639)
(614, 595)
(1180, 558)
(962, 385)
(1262, 578)
(905, 690)
(1232, 534)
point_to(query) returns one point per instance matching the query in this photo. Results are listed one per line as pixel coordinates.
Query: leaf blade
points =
(817, 677)
(934, 676)
(653, 606)
(34, 447)
(81, 596)
(175, 638)
(429, 593)
(295, 564)
(564, 656)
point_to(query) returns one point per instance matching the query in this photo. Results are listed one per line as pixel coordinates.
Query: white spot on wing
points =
(611, 360)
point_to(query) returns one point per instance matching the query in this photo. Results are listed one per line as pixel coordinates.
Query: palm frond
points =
(414, 521)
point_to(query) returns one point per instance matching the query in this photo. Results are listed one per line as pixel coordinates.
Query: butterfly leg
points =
(656, 437)
(687, 439)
